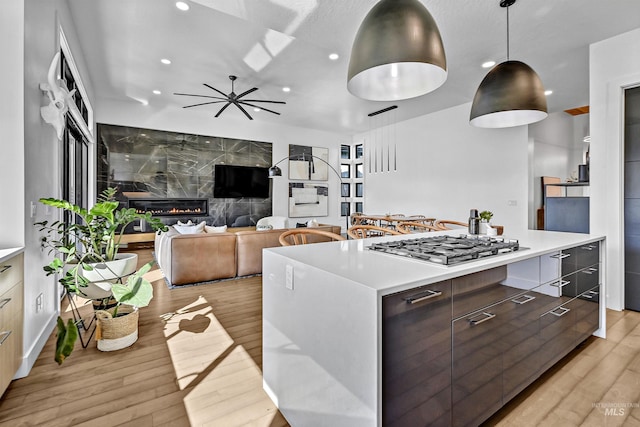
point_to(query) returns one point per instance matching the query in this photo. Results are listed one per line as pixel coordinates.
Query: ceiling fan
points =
(232, 98)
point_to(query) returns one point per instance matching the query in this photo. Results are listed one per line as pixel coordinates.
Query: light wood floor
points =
(199, 357)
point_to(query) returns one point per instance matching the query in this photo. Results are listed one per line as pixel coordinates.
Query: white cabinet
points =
(11, 313)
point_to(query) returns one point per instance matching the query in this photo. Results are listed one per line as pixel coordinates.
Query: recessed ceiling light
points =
(182, 5)
(256, 110)
(286, 89)
(488, 64)
(548, 92)
(334, 56)
(157, 92)
(165, 61)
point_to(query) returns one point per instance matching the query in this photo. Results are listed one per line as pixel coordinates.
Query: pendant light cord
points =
(507, 33)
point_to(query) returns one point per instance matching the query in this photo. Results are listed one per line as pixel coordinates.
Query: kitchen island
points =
(353, 337)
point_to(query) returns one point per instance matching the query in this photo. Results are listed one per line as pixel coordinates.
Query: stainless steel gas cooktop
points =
(448, 250)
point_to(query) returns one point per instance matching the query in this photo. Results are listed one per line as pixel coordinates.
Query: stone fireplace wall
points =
(153, 163)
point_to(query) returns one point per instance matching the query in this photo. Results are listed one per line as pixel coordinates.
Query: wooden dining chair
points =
(423, 218)
(363, 231)
(447, 224)
(407, 227)
(303, 236)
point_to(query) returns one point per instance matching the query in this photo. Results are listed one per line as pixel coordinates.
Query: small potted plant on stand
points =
(87, 258)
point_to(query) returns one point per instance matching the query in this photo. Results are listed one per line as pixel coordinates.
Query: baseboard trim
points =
(29, 359)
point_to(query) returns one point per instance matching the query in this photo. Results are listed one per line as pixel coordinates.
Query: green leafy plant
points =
(92, 236)
(486, 215)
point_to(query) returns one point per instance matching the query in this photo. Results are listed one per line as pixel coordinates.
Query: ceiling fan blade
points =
(200, 96)
(213, 88)
(204, 103)
(243, 110)
(247, 92)
(257, 106)
(261, 100)
(223, 108)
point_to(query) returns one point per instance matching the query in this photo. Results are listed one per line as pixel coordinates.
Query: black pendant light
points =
(511, 94)
(397, 53)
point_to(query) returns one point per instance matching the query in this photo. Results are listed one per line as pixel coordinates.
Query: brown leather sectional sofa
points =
(191, 258)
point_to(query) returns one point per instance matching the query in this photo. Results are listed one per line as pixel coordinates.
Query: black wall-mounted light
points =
(397, 53)
(511, 94)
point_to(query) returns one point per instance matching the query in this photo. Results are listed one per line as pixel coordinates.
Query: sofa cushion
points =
(214, 229)
(190, 229)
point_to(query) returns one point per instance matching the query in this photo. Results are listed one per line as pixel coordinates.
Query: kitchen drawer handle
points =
(589, 294)
(4, 338)
(4, 302)
(526, 299)
(413, 299)
(565, 310)
(4, 268)
(560, 256)
(487, 316)
(589, 270)
(589, 248)
(561, 283)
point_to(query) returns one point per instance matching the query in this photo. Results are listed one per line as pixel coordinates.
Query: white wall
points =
(40, 159)
(202, 122)
(614, 64)
(11, 122)
(447, 167)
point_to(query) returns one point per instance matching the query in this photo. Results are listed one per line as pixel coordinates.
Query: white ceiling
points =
(274, 43)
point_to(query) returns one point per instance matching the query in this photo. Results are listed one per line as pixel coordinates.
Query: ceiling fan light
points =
(511, 94)
(397, 53)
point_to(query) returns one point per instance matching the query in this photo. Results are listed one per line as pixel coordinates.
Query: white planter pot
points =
(105, 273)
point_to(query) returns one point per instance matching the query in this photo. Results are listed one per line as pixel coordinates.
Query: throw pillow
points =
(301, 224)
(190, 229)
(214, 229)
(264, 227)
(185, 223)
(312, 223)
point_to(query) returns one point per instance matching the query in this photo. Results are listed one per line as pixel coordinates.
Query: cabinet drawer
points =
(587, 313)
(588, 278)
(587, 255)
(416, 356)
(10, 272)
(10, 334)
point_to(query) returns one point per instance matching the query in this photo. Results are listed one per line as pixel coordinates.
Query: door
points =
(632, 198)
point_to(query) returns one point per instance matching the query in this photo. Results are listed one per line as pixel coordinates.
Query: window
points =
(359, 189)
(359, 151)
(346, 190)
(345, 152)
(359, 207)
(359, 170)
(344, 209)
(345, 170)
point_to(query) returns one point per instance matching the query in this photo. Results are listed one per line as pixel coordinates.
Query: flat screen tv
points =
(233, 182)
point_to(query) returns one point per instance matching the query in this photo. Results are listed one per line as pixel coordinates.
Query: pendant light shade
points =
(397, 53)
(511, 94)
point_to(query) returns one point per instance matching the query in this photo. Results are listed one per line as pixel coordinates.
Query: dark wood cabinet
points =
(455, 352)
(416, 356)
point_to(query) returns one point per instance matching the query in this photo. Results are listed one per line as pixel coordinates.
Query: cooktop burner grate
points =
(448, 250)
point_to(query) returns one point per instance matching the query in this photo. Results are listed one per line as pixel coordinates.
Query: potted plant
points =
(485, 221)
(88, 258)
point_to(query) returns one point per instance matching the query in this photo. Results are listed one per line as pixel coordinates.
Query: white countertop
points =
(7, 253)
(385, 273)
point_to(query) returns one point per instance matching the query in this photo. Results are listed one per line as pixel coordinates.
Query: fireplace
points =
(181, 207)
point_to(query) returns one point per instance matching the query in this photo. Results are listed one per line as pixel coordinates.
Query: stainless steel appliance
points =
(448, 250)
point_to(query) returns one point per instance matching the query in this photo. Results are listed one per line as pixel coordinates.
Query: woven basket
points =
(119, 332)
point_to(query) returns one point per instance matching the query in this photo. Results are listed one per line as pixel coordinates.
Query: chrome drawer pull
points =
(487, 316)
(4, 338)
(565, 310)
(423, 296)
(588, 248)
(526, 299)
(4, 302)
(590, 270)
(589, 294)
(4, 268)
(561, 283)
(560, 256)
